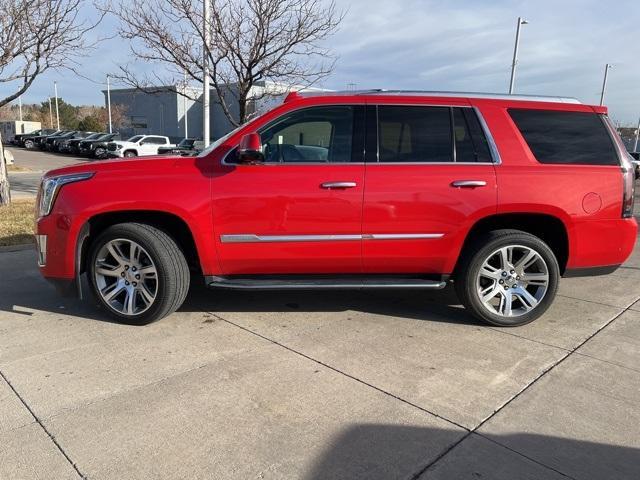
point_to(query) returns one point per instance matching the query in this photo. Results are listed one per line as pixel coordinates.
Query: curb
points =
(17, 248)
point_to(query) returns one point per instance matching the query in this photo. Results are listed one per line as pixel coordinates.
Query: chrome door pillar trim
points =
(253, 238)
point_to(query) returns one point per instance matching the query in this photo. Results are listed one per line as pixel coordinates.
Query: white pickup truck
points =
(138, 146)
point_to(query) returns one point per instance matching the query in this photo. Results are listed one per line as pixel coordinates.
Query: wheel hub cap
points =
(126, 277)
(512, 281)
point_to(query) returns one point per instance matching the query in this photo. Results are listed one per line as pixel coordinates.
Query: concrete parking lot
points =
(319, 385)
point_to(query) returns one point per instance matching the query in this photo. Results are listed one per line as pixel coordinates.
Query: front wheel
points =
(508, 278)
(129, 154)
(28, 144)
(138, 273)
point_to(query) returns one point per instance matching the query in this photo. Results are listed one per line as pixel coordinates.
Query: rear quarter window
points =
(570, 138)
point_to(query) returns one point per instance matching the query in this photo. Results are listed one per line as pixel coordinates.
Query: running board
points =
(324, 282)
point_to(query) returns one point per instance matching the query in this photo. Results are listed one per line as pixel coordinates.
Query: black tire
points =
(173, 275)
(472, 260)
(130, 154)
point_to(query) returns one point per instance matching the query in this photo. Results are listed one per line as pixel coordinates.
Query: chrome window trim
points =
(253, 238)
(493, 147)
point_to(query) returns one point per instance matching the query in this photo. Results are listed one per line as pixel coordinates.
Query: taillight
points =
(628, 170)
(628, 192)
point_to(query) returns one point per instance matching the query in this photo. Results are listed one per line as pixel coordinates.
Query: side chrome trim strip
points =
(252, 238)
(401, 236)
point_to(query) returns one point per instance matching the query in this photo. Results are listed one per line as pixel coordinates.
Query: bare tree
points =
(252, 41)
(35, 36)
(38, 35)
(5, 191)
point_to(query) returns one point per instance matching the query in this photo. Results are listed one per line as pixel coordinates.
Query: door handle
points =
(468, 183)
(330, 185)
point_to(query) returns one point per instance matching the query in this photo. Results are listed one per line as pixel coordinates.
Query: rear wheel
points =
(138, 273)
(508, 278)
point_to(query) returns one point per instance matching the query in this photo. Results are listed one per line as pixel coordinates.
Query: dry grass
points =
(16, 168)
(16, 223)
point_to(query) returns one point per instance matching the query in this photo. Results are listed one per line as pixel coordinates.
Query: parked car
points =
(635, 159)
(97, 148)
(375, 189)
(72, 145)
(39, 139)
(60, 144)
(138, 146)
(186, 146)
(48, 142)
(25, 139)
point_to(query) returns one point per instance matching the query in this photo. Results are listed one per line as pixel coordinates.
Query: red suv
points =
(501, 195)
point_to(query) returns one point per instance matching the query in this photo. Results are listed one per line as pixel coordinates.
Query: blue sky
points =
(452, 45)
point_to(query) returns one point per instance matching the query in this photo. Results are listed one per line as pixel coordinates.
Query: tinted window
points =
(319, 134)
(471, 143)
(414, 134)
(155, 140)
(566, 137)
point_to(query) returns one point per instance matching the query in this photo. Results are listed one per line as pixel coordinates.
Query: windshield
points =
(105, 136)
(134, 139)
(93, 136)
(219, 142)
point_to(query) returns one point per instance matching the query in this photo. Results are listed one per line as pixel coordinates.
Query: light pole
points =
(50, 114)
(635, 145)
(206, 18)
(20, 106)
(55, 91)
(184, 103)
(604, 82)
(109, 104)
(521, 21)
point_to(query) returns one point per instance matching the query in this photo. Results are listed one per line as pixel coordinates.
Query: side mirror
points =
(250, 149)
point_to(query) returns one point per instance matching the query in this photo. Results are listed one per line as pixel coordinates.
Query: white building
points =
(164, 111)
(10, 129)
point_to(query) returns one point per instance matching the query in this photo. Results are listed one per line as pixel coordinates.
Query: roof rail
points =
(426, 93)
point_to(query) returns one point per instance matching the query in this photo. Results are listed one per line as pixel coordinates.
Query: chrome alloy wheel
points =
(512, 281)
(126, 277)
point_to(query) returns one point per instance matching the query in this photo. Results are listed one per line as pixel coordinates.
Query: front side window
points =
(414, 134)
(312, 135)
(556, 137)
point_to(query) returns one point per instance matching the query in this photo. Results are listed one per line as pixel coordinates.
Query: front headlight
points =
(118, 146)
(50, 186)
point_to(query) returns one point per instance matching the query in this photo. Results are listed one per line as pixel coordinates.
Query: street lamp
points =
(109, 104)
(55, 91)
(521, 21)
(604, 82)
(206, 20)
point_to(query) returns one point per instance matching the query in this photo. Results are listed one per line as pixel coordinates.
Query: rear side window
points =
(471, 143)
(430, 134)
(414, 134)
(577, 138)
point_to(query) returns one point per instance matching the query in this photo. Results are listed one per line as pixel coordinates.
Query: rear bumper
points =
(601, 243)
